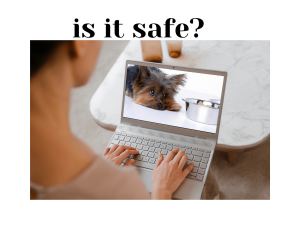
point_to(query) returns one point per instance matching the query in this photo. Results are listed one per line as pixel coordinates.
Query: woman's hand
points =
(168, 174)
(117, 154)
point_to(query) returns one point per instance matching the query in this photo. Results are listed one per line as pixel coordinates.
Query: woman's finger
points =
(125, 155)
(159, 159)
(106, 151)
(188, 169)
(113, 148)
(182, 162)
(121, 149)
(171, 154)
(178, 156)
(129, 162)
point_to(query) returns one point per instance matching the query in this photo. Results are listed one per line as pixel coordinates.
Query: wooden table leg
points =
(232, 157)
(232, 153)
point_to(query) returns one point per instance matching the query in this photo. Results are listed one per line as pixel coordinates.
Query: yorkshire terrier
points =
(150, 87)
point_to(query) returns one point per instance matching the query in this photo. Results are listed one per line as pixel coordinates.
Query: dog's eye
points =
(164, 96)
(152, 92)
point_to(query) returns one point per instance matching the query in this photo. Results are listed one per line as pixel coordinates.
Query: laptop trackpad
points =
(189, 189)
(146, 175)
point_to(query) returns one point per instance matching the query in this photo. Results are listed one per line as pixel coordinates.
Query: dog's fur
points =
(150, 87)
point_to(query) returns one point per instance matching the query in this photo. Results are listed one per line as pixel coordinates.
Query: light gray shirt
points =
(101, 180)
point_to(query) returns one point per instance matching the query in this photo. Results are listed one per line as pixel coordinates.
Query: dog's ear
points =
(144, 72)
(177, 80)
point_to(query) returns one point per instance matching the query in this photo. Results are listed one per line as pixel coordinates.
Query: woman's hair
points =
(40, 51)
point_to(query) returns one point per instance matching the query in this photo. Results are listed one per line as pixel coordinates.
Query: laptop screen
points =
(176, 98)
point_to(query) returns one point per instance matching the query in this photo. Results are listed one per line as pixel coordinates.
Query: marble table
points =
(245, 122)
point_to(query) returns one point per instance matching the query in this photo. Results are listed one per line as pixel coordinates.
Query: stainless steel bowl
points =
(200, 113)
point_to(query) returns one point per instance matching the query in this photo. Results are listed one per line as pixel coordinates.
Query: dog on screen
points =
(151, 87)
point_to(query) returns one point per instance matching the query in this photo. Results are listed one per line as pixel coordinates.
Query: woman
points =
(62, 166)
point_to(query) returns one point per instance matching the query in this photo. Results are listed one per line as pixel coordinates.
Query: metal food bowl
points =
(200, 113)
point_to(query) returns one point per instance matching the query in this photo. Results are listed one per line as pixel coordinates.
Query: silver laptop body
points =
(200, 143)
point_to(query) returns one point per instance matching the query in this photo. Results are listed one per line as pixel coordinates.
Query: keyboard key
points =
(194, 170)
(196, 164)
(145, 159)
(157, 150)
(207, 151)
(145, 147)
(132, 140)
(144, 164)
(169, 147)
(201, 170)
(192, 175)
(121, 143)
(150, 154)
(199, 177)
(188, 147)
(145, 142)
(121, 138)
(206, 155)
(188, 151)
(127, 139)
(152, 160)
(145, 153)
(157, 141)
(118, 133)
(138, 141)
(146, 139)
(133, 145)
(205, 160)
(116, 137)
(151, 149)
(164, 151)
(127, 144)
(156, 145)
(196, 152)
(138, 157)
(189, 162)
(115, 141)
(123, 134)
(197, 159)
(139, 147)
(190, 157)
(140, 138)
(129, 135)
(163, 145)
(150, 144)
(200, 150)
(175, 145)
(203, 165)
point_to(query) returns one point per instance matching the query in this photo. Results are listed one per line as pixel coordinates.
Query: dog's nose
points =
(159, 106)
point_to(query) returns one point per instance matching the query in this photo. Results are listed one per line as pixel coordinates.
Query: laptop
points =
(165, 107)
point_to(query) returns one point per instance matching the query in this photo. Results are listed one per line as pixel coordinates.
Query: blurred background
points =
(249, 178)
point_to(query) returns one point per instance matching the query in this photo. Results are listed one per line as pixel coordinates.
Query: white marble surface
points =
(246, 112)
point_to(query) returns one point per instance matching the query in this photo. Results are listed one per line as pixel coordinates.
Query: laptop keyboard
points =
(149, 149)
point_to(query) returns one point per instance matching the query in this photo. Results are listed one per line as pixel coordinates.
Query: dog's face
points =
(152, 88)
